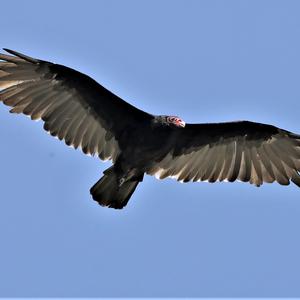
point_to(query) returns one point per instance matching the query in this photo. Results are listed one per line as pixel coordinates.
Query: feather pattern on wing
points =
(244, 151)
(73, 106)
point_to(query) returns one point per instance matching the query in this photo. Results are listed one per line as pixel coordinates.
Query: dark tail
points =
(107, 191)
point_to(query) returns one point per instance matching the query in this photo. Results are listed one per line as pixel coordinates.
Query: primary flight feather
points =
(84, 114)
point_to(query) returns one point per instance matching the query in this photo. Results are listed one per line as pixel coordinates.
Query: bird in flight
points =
(80, 111)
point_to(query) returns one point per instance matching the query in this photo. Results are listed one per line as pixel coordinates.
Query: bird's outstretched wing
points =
(245, 151)
(74, 107)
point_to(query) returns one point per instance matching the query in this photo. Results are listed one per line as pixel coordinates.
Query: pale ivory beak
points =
(180, 123)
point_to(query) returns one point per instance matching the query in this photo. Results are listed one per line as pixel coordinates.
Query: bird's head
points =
(174, 120)
(170, 121)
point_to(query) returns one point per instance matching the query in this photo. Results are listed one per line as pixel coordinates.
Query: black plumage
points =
(84, 114)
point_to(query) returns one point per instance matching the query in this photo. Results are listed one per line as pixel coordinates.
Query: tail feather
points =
(107, 191)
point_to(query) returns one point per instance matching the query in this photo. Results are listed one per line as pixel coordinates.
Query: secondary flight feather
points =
(85, 115)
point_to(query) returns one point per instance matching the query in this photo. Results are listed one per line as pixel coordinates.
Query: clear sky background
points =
(206, 61)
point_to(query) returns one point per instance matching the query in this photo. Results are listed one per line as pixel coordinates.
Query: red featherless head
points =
(175, 121)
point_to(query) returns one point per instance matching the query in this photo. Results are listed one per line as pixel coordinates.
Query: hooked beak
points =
(180, 123)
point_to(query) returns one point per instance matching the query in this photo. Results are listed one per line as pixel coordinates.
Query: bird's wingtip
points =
(7, 50)
(22, 56)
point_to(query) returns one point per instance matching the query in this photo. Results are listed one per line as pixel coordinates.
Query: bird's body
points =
(84, 114)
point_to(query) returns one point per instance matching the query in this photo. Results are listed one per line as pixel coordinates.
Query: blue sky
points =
(205, 61)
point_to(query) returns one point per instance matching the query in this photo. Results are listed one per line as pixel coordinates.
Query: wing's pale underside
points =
(244, 151)
(73, 106)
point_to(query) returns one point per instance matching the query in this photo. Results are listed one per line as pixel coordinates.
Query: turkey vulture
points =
(84, 114)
